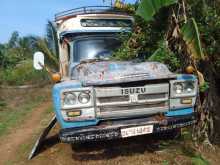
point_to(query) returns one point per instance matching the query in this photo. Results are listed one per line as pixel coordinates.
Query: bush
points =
(22, 74)
(164, 55)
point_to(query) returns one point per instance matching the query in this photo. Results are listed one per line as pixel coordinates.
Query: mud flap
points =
(39, 142)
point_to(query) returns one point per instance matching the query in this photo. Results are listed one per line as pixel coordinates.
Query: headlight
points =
(178, 88)
(76, 98)
(69, 99)
(84, 97)
(183, 88)
(189, 86)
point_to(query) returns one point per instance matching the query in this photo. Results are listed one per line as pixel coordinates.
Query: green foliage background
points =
(148, 39)
(16, 57)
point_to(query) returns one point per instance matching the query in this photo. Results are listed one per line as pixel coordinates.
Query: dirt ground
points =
(15, 147)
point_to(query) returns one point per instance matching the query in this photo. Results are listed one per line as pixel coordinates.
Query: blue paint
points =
(57, 89)
(57, 105)
(180, 112)
(186, 77)
(115, 67)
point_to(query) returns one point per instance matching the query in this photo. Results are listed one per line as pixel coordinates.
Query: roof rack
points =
(87, 10)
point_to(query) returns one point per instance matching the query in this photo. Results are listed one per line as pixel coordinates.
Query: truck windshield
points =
(95, 47)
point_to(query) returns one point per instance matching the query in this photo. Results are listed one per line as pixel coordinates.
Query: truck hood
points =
(114, 72)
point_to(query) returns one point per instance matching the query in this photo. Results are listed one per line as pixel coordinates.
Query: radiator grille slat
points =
(131, 107)
(113, 99)
(151, 96)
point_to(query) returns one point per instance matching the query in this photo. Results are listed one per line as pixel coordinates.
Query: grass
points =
(11, 117)
(189, 151)
(183, 147)
(165, 162)
(22, 74)
(199, 160)
(25, 148)
(196, 158)
(2, 104)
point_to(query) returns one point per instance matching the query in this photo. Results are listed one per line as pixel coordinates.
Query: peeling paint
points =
(95, 72)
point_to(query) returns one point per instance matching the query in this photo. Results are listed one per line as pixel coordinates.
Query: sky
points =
(30, 16)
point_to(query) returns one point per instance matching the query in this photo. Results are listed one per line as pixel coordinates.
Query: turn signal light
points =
(74, 113)
(56, 77)
(186, 101)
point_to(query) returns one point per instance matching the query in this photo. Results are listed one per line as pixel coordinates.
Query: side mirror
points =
(38, 61)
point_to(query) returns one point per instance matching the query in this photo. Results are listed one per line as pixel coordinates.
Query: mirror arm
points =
(46, 68)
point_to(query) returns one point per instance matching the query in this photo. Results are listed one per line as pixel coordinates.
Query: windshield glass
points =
(95, 47)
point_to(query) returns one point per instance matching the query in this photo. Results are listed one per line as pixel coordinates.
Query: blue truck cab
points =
(99, 98)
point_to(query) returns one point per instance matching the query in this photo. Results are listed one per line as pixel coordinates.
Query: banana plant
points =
(190, 34)
(43, 47)
(148, 8)
(52, 39)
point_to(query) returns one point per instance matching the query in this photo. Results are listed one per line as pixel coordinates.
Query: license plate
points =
(135, 131)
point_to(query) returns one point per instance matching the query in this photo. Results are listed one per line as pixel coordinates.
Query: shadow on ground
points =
(104, 150)
(49, 143)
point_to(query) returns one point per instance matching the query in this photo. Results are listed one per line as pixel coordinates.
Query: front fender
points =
(57, 89)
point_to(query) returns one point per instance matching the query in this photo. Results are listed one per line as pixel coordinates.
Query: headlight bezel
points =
(77, 92)
(184, 93)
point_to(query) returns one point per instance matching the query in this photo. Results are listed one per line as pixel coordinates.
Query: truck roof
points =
(92, 19)
(87, 10)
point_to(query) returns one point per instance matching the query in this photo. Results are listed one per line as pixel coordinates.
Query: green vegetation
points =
(164, 55)
(189, 30)
(207, 16)
(199, 160)
(22, 74)
(16, 57)
(12, 116)
(2, 103)
(196, 158)
(148, 39)
(148, 8)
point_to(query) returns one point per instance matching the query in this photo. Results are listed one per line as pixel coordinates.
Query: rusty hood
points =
(114, 72)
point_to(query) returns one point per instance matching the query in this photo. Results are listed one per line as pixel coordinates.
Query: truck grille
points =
(116, 102)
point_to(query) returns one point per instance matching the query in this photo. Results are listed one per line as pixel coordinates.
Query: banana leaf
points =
(191, 36)
(52, 39)
(148, 8)
(43, 47)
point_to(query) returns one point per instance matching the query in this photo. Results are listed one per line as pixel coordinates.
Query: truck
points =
(99, 98)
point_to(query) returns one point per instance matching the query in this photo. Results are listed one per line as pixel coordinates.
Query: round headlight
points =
(84, 97)
(70, 99)
(189, 86)
(178, 88)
